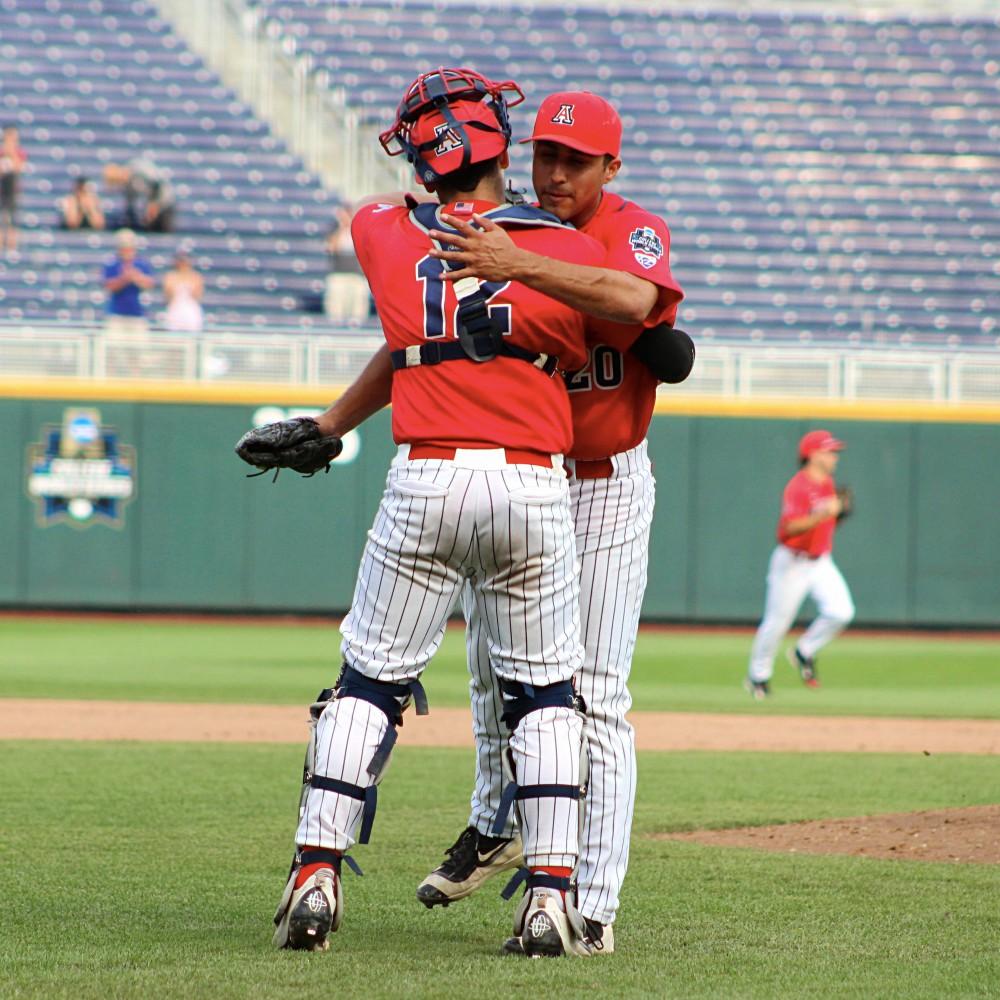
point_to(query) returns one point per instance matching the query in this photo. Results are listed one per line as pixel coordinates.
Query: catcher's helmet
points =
(450, 118)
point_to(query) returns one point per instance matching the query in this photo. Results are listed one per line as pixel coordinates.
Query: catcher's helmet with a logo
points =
(449, 119)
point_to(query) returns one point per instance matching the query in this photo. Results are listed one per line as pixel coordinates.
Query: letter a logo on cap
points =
(449, 139)
(564, 116)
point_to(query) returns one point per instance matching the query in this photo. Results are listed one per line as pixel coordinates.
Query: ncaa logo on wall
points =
(80, 473)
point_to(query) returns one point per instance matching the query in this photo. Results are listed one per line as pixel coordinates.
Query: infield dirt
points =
(45, 718)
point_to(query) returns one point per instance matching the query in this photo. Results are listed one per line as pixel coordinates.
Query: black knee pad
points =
(520, 699)
(392, 699)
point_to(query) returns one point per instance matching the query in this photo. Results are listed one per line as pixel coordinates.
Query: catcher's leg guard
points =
(309, 914)
(348, 756)
(546, 717)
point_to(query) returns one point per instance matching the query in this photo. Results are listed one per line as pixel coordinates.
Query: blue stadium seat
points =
(91, 82)
(825, 178)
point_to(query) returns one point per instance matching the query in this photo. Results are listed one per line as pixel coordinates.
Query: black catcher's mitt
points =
(846, 496)
(296, 444)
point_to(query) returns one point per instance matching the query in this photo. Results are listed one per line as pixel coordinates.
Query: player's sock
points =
(306, 870)
(557, 870)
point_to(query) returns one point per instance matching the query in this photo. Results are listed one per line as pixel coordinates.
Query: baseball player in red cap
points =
(611, 483)
(477, 494)
(577, 143)
(802, 566)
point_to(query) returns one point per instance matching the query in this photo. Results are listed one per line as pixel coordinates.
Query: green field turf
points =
(152, 870)
(149, 659)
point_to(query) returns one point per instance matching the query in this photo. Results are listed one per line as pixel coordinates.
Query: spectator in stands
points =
(12, 161)
(81, 208)
(125, 279)
(149, 198)
(347, 298)
(183, 288)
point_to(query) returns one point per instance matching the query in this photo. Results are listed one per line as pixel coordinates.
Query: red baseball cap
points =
(580, 120)
(486, 141)
(818, 441)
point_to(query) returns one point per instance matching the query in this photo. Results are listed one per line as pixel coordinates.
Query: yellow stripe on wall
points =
(124, 391)
(255, 394)
(829, 409)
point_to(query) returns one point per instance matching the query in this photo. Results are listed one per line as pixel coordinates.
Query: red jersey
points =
(505, 402)
(613, 397)
(802, 496)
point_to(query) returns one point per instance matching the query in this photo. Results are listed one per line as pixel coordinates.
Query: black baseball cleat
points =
(470, 861)
(806, 666)
(758, 690)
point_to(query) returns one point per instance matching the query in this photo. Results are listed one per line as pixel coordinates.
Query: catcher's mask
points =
(449, 119)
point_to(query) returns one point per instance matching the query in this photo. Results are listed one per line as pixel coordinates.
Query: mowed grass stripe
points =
(152, 870)
(212, 661)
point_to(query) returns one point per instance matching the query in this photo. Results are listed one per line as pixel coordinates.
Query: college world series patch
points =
(646, 245)
(81, 473)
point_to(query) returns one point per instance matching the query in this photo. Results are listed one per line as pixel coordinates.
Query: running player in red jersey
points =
(802, 566)
(477, 493)
(577, 138)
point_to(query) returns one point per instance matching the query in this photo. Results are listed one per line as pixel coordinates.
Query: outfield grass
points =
(147, 659)
(152, 870)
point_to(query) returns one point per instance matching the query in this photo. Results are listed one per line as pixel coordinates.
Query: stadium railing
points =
(736, 370)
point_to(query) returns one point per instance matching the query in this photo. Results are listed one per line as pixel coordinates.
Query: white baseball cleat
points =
(308, 915)
(551, 927)
(600, 938)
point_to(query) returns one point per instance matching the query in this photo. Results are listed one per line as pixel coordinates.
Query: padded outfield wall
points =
(184, 529)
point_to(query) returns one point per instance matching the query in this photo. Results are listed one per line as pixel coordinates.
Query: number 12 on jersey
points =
(429, 271)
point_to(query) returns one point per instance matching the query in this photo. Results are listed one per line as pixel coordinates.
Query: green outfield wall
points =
(132, 503)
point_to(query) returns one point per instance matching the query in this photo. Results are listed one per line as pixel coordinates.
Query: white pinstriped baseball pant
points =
(791, 578)
(505, 531)
(612, 518)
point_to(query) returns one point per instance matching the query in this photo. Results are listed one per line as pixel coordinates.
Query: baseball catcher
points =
(453, 512)
(296, 444)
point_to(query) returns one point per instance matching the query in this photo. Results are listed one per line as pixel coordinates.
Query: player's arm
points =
(800, 525)
(366, 395)
(488, 253)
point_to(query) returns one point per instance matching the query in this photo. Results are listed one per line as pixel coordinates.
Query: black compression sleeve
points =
(667, 352)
